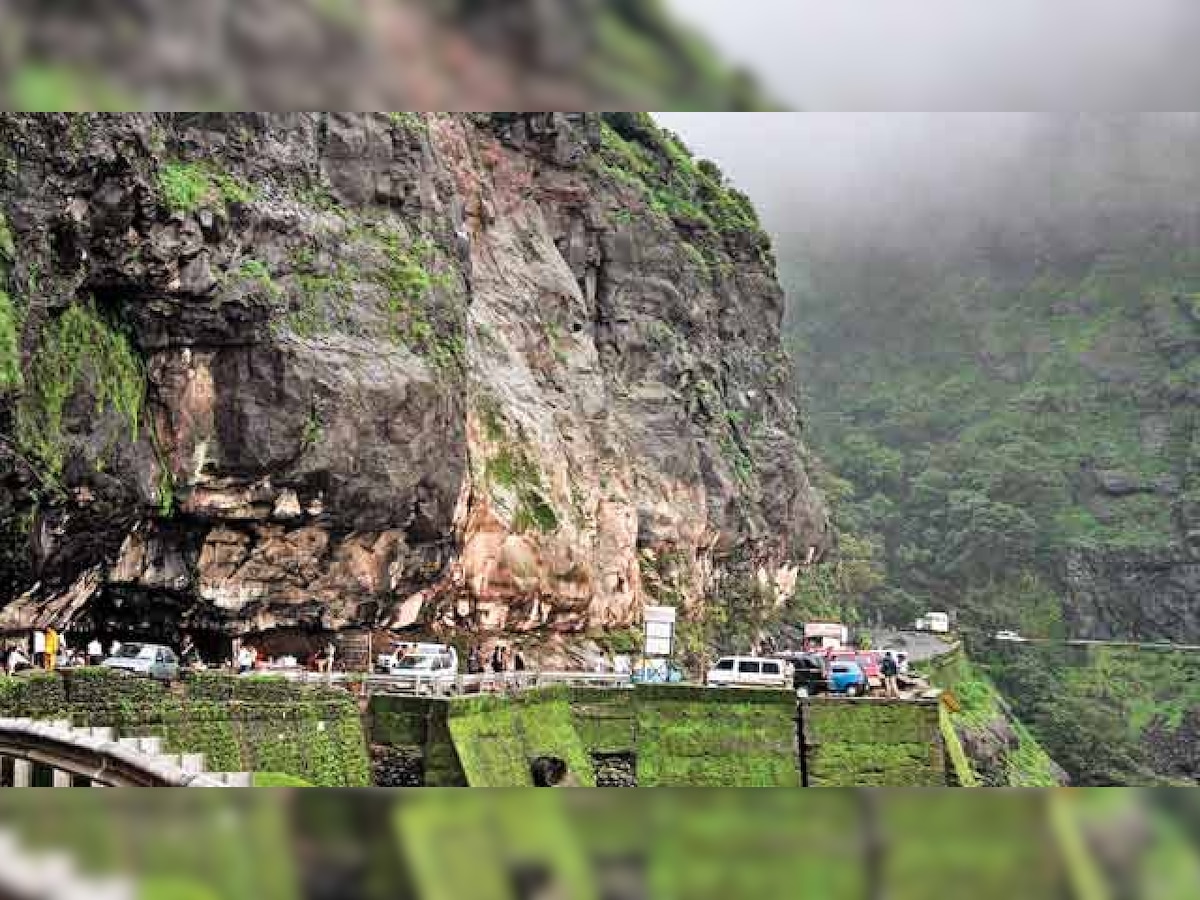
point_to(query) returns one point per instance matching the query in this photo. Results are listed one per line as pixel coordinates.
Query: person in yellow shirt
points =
(51, 649)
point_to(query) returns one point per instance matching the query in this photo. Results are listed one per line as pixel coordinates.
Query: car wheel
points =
(852, 691)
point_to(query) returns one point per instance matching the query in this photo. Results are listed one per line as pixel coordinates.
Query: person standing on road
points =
(95, 652)
(890, 670)
(245, 659)
(51, 649)
(498, 659)
(39, 649)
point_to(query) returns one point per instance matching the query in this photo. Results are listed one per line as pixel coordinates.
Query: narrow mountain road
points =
(919, 645)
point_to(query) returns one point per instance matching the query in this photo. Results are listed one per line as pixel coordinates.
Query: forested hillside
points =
(1003, 372)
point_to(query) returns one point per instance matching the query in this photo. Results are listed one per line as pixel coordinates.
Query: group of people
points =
(502, 660)
(47, 649)
(247, 659)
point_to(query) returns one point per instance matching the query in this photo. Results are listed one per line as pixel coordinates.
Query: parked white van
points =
(749, 671)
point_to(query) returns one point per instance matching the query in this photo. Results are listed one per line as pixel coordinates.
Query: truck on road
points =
(937, 622)
(826, 635)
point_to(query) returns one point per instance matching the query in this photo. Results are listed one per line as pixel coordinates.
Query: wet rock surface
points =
(397, 370)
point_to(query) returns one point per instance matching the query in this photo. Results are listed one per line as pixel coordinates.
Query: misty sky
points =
(961, 54)
(842, 173)
(846, 163)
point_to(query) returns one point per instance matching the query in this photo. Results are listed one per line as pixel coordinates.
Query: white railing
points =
(489, 682)
(449, 684)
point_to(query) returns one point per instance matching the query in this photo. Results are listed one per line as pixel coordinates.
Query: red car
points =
(868, 660)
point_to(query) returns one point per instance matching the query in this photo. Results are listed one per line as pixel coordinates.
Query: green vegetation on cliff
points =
(78, 354)
(987, 744)
(10, 354)
(986, 429)
(677, 187)
(188, 186)
(1109, 715)
(1011, 417)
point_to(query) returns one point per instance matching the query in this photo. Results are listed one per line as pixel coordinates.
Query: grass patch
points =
(415, 317)
(515, 473)
(188, 186)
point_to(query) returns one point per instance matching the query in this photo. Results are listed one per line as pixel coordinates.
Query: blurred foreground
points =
(522, 845)
(360, 54)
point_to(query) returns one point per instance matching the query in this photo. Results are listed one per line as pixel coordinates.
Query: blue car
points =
(846, 677)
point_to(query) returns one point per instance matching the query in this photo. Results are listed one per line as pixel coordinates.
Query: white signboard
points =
(660, 630)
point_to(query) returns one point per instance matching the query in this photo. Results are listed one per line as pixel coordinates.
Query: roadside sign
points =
(660, 630)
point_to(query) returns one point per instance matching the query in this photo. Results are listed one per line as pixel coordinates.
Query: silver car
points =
(152, 660)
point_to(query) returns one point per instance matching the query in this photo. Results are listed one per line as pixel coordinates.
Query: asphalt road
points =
(919, 645)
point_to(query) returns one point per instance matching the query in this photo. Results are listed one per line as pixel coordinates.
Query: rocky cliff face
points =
(478, 372)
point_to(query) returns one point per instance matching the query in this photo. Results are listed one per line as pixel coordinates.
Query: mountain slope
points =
(1003, 377)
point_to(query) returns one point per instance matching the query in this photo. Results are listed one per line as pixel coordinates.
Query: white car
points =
(386, 662)
(749, 671)
(1008, 636)
(426, 673)
(153, 660)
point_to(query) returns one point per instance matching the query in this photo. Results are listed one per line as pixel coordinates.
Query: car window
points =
(841, 670)
(130, 651)
(770, 668)
(751, 667)
(160, 657)
(725, 665)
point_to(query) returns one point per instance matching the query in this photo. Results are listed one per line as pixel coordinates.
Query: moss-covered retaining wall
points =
(418, 722)
(895, 743)
(239, 724)
(497, 737)
(680, 736)
(698, 737)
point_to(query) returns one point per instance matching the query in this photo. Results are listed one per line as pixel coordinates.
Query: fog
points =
(950, 183)
(953, 54)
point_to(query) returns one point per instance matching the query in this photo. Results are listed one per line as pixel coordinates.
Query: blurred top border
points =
(452, 55)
